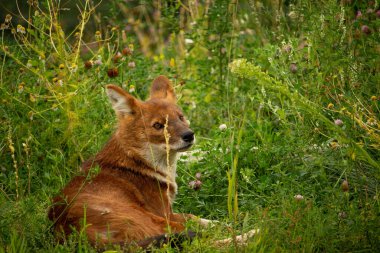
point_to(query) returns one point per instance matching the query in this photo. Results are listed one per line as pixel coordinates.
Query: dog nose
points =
(188, 136)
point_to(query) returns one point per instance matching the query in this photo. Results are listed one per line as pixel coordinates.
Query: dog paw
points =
(240, 240)
(206, 223)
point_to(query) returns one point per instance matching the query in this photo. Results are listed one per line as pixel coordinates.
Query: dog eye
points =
(158, 126)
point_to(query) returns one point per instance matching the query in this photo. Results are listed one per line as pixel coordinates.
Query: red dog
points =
(131, 198)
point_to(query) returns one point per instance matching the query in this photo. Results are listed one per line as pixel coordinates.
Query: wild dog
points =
(131, 198)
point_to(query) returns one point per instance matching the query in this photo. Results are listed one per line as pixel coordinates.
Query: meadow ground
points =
(283, 97)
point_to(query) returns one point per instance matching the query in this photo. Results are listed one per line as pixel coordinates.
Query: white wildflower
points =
(192, 156)
(189, 41)
(298, 197)
(293, 15)
(222, 127)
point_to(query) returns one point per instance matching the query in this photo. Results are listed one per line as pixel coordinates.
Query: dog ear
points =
(121, 101)
(162, 88)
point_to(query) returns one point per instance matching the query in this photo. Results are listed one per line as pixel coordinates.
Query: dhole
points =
(130, 199)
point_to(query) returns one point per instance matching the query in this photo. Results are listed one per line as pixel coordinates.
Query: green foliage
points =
(284, 98)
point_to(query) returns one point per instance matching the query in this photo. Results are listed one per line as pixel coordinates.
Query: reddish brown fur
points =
(131, 198)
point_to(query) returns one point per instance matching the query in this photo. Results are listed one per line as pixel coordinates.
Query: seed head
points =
(366, 30)
(98, 62)
(195, 184)
(117, 57)
(30, 115)
(8, 18)
(32, 98)
(342, 215)
(172, 63)
(330, 106)
(371, 121)
(126, 51)
(334, 145)
(338, 122)
(287, 48)
(132, 64)
(293, 68)
(21, 87)
(113, 72)
(88, 64)
(359, 14)
(98, 35)
(345, 186)
(123, 36)
(4, 26)
(73, 68)
(21, 29)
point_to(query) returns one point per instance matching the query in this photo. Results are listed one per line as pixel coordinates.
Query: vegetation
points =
(283, 95)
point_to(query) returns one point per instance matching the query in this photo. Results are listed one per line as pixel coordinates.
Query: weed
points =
(284, 97)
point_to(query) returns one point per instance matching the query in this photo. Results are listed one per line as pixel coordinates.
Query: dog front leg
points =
(184, 217)
(240, 240)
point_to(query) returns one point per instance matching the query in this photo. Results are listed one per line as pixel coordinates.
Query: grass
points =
(296, 86)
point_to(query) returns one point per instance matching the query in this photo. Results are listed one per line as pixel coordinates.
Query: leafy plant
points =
(283, 96)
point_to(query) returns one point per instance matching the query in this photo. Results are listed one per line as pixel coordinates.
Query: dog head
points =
(155, 128)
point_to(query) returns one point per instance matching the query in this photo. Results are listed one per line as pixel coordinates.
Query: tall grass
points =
(298, 119)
